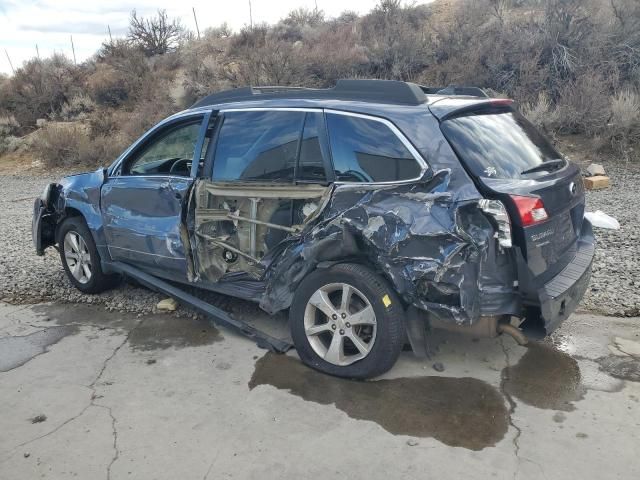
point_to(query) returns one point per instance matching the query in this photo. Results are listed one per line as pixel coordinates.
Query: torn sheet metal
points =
(440, 254)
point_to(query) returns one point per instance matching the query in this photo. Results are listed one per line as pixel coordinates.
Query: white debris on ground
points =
(167, 305)
(599, 219)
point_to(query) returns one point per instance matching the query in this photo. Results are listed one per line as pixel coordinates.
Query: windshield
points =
(500, 145)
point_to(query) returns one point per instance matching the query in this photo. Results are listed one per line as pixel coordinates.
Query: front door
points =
(143, 200)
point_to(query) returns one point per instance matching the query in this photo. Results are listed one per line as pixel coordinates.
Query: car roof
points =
(376, 91)
(385, 98)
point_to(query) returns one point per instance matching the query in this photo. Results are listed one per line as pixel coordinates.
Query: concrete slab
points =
(158, 397)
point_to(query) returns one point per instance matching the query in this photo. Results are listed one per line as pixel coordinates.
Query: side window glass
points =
(365, 150)
(169, 154)
(311, 165)
(260, 145)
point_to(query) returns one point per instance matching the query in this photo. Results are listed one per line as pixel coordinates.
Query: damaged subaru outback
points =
(371, 211)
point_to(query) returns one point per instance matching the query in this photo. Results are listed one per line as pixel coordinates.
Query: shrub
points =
(78, 108)
(542, 113)
(624, 126)
(584, 105)
(39, 89)
(8, 141)
(59, 145)
(108, 87)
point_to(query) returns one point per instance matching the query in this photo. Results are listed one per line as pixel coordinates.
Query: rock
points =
(38, 418)
(412, 442)
(167, 305)
(438, 367)
(595, 169)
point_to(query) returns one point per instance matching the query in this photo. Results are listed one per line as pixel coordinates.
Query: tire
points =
(315, 333)
(73, 236)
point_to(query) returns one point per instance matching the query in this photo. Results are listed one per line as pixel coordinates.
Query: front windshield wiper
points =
(549, 165)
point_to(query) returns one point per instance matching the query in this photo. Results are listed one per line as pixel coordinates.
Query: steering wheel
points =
(182, 165)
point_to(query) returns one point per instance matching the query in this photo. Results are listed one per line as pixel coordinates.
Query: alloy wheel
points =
(77, 256)
(340, 324)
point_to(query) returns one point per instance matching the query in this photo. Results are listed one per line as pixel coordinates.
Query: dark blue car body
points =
(434, 243)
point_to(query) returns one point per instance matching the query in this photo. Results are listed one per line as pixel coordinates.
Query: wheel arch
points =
(90, 215)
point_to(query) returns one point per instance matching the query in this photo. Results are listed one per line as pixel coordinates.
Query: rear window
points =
(498, 145)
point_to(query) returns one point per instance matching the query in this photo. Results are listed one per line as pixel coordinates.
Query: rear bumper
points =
(562, 294)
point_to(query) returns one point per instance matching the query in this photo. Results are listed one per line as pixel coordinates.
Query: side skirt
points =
(217, 315)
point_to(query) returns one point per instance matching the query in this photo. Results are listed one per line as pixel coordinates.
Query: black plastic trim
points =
(378, 91)
(218, 316)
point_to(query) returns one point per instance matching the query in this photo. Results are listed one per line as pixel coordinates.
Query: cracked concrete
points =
(163, 397)
(510, 400)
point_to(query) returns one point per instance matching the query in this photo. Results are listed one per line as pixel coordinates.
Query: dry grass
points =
(572, 70)
(66, 144)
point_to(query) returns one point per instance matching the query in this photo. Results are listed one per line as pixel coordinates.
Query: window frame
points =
(328, 165)
(424, 167)
(159, 130)
(325, 149)
(329, 170)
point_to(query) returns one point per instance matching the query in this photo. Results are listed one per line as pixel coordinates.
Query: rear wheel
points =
(80, 257)
(346, 321)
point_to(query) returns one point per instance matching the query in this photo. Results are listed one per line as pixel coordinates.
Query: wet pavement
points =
(544, 378)
(18, 350)
(460, 412)
(86, 393)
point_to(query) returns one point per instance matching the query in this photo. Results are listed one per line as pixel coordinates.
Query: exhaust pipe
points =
(516, 333)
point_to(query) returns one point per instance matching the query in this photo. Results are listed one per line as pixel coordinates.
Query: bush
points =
(624, 126)
(584, 105)
(8, 141)
(39, 89)
(109, 87)
(542, 113)
(59, 145)
(78, 108)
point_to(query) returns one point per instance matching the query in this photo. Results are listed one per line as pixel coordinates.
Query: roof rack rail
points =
(455, 90)
(379, 91)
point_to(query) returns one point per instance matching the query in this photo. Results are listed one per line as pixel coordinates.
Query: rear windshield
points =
(499, 144)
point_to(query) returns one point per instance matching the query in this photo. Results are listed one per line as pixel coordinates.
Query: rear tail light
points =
(496, 210)
(530, 209)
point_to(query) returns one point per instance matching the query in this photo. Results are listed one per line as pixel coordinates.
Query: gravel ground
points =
(25, 277)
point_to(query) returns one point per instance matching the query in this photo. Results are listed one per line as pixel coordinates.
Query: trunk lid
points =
(549, 245)
(508, 158)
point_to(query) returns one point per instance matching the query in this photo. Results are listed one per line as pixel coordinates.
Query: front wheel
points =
(346, 321)
(80, 257)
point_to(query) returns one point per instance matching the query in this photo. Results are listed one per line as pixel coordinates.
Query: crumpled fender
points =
(80, 193)
(432, 248)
